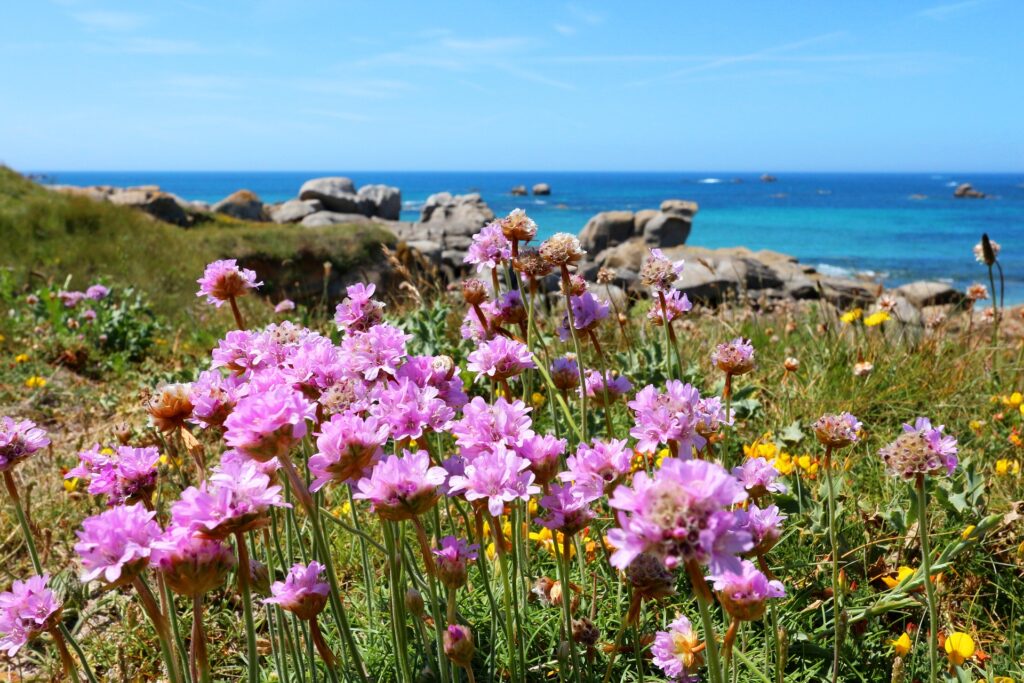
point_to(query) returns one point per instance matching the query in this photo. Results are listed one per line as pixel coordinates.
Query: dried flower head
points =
(605, 276)
(474, 291)
(518, 226)
(531, 264)
(791, 364)
(977, 292)
(170, 405)
(658, 272)
(987, 250)
(561, 249)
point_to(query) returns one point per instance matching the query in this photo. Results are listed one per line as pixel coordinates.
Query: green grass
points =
(48, 235)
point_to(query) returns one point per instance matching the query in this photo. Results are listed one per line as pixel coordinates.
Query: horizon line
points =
(520, 171)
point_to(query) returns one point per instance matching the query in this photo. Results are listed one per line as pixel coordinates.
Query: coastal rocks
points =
(160, 205)
(541, 189)
(336, 194)
(293, 210)
(967, 191)
(321, 218)
(768, 178)
(457, 212)
(667, 230)
(518, 191)
(924, 293)
(383, 201)
(607, 229)
(667, 227)
(243, 205)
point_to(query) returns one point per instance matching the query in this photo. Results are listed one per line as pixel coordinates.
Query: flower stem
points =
(200, 658)
(563, 571)
(703, 595)
(239, 321)
(834, 542)
(576, 347)
(163, 631)
(926, 564)
(250, 624)
(65, 657)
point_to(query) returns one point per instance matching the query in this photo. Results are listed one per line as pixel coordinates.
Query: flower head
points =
(599, 466)
(265, 425)
(676, 305)
(402, 487)
(496, 478)
(348, 447)
(669, 417)
(568, 508)
(191, 563)
(234, 499)
(676, 651)
(763, 525)
(458, 644)
(489, 249)
(213, 396)
(735, 357)
(483, 427)
(587, 311)
(451, 559)
(986, 254)
(518, 226)
(358, 312)
(680, 514)
(19, 440)
(837, 430)
(613, 385)
(959, 648)
(26, 610)
(565, 373)
(561, 249)
(115, 545)
(658, 272)
(532, 265)
(543, 452)
(758, 477)
(97, 292)
(224, 280)
(378, 351)
(500, 359)
(303, 592)
(126, 476)
(743, 592)
(921, 449)
(170, 405)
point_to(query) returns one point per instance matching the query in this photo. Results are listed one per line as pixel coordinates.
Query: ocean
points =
(897, 227)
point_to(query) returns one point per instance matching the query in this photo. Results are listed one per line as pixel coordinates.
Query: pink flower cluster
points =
(26, 610)
(126, 475)
(19, 440)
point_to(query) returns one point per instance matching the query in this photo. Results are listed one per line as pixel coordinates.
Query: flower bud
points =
(259, 577)
(170, 406)
(458, 644)
(474, 291)
(414, 602)
(585, 632)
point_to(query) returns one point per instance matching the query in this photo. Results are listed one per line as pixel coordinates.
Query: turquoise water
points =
(846, 222)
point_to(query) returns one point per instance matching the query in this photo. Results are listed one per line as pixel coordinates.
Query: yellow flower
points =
(876, 319)
(537, 399)
(763, 447)
(959, 648)
(21, 358)
(1006, 466)
(902, 574)
(342, 510)
(852, 315)
(784, 463)
(976, 425)
(71, 485)
(1014, 400)
(532, 507)
(160, 341)
(35, 382)
(662, 454)
(546, 540)
(968, 530)
(901, 645)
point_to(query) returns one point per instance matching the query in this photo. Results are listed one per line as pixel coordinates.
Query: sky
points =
(912, 85)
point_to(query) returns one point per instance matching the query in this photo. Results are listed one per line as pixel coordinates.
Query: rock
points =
(321, 218)
(157, 204)
(243, 205)
(768, 178)
(607, 229)
(336, 194)
(667, 230)
(917, 197)
(924, 293)
(542, 189)
(466, 213)
(682, 207)
(707, 285)
(429, 249)
(844, 293)
(965, 190)
(294, 210)
(380, 200)
(518, 191)
(628, 255)
(641, 218)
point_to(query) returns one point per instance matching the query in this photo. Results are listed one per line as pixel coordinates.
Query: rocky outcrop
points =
(967, 191)
(293, 210)
(160, 205)
(518, 191)
(926, 293)
(321, 218)
(335, 194)
(541, 189)
(607, 229)
(768, 178)
(243, 205)
(457, 212)
(668, 226)
(383, 201)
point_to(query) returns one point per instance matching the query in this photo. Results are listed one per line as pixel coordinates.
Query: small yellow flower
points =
(968, 530)
(160, 341)
(35, 382)
(662, 454)
(343, 510)
(901, 645)
(852, 315)
(976, 425)
(1014, 400)
(70, 485)
(21, 358)
(876, 319)
(1007, 467)
(902, 574)
(537, 399)
(959, 648)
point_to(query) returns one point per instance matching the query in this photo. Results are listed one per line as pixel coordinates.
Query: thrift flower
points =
(565, 373)
(349, 446)
(401, 488)
(658, 272)
(489, 249)
(500, 359)
(744, 593)
(115, 545)
(616, 386)
(224, 280)
(170, 405)
(497, 478)
(600, 466)
(266, 425)
(233, 500)
(191, 563)
(763, 525)
(758, 477)
(677, 651)
(18, 441)
(921, 449)
(303, 592)
(568, 508)
(676, 305)
(358, 312)
(451, 559)
(543, 453)
(667, 418)
(26, 610)
(97, 292)
(837, 431)
(561, 249)
(735, 357)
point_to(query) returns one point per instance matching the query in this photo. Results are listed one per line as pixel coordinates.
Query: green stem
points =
(200, 659)
(576, 347)
(926, 564)
(711, 649)
(834, 542)
(563, 571)
(397, 599)
(163, 632)
(242, 571)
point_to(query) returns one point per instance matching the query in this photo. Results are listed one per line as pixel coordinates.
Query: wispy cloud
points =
(484, 44)
(340, 115)
(534, 77)
(940, 12)
(565, 29)
(585, 15)
(107, 20)
(148, 46)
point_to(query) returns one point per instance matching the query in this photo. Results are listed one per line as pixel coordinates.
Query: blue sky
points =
(298, 85)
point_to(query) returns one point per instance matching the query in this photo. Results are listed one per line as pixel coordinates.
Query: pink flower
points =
(680, 514)
(676, 305)
(284, 305)
(303, 592)
(451, 558)
(439, 372)
(26, 610)
(676, 651)
(484, 426)
(490, 248)
(921, 449)
(568, 508)
(544, 453)
(401, 488)
(599, 467)
(349, 446)
(735, 357)
(658, 272)
(410, 410)
(191, 563)
(224, 280)
(764, 526)
(266, 425)
(837, 431)
(234, 499)
(500, 359)
(378, 351)
(710, 414)
(70, 299)
(115, 545)
(615, 386)
(19, 440)
(358, 312)
(126, 476)
(97, 292)
(497, 477)
(667, 418)
(565, 373)
(587, 311)
(744, 590)
(242, 352)
(758, 477)
(213, 397)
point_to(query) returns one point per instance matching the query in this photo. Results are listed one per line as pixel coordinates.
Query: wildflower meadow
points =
(524, 476)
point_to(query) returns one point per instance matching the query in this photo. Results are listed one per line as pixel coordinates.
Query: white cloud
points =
(106, 20)
(565, 29)
(940, 12)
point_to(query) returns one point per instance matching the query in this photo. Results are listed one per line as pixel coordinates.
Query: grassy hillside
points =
(49, 235)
